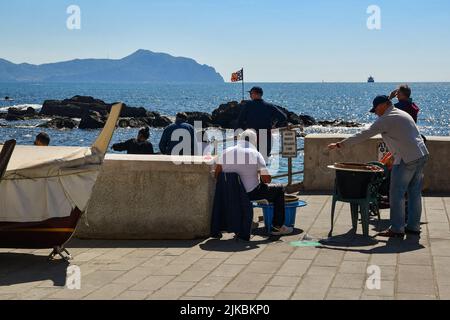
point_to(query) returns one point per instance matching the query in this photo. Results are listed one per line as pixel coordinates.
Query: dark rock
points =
(131, 112)
(94, 120)
(226, 115)
(204, 117)
(80, 106)
(57, 108)
(156, 120)
(85, 100)
(160, 122)
(327, 123)
(14, 117)
(132, 123)
(31, 111)
(307, 120)
(60, 123)
(15, 114)
(339, 123)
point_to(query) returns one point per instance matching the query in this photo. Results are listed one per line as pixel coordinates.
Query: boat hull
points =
(47, 234)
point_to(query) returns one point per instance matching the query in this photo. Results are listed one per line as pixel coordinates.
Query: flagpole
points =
(243, 85)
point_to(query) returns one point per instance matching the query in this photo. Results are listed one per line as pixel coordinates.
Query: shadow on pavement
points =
(82, 243)
(19, 268)
(232, 245)
(238, 245)
(352, 242)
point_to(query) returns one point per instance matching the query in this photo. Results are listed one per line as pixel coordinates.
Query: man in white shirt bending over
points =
(245, 160)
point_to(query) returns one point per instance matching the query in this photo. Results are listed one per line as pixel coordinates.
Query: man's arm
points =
(278, 115)
(265, 177)
(152, 151)
(262, 170)
(393, 94)
(163, 143)
(123, 146)
(194, 142)
(364, 135)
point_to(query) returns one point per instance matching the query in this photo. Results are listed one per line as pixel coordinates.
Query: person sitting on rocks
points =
(42, 140)
(173, 140)
(140, 145)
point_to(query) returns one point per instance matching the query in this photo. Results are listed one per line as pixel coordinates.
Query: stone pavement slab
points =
(264, 268)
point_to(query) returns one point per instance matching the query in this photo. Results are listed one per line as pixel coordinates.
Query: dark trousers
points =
(275, 195)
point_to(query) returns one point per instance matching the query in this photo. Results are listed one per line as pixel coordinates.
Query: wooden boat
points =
(5, 156)
(45, 190)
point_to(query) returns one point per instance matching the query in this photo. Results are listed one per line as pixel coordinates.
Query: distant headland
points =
(140, 67)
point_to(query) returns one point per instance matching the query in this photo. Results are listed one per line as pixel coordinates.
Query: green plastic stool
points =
(361, 206)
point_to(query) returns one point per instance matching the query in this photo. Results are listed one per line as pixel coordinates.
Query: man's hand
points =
(393, 94)
(218, 171)
(266, 179)
(334, 146)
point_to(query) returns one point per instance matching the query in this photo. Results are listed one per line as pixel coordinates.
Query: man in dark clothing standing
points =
(405, 103)
(260, 116)
(182, 130)
(141, 145)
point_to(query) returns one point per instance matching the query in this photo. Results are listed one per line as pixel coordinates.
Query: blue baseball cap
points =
(379, 100)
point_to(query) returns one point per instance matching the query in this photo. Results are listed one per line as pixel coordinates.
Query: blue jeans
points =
(407, 178)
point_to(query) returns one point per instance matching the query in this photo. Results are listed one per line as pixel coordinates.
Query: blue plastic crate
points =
(291, 213)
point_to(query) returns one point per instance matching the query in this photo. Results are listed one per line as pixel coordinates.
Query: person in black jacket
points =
(259, 115)
(182, 130)
(405, 102)
(141, 145)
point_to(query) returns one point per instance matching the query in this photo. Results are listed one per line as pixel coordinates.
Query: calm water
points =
(324, 101)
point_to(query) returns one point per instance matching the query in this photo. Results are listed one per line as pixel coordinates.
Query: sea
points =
(323, 101)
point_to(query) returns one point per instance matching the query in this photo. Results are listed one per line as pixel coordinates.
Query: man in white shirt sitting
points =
(245, 160)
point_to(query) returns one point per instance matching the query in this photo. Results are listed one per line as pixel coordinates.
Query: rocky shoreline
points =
(84, 112)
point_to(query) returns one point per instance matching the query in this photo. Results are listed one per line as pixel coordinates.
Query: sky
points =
(274, 40)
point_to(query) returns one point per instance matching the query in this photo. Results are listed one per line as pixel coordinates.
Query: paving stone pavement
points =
(265, 268)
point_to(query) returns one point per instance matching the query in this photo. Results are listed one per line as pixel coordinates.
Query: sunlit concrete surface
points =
(262, 269)
(150, 197)
(317, 157)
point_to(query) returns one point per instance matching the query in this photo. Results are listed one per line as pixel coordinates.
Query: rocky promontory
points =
(86, 112)
(94, 112)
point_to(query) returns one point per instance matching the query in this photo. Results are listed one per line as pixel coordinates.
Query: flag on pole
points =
(237, 76)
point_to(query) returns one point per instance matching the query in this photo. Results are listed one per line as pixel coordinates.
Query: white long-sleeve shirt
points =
(400, 134)
(246, 161)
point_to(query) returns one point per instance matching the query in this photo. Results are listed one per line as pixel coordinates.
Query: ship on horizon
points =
(371, 80)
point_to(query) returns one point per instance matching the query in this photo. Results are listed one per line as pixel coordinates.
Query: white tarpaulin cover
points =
(49, 182)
